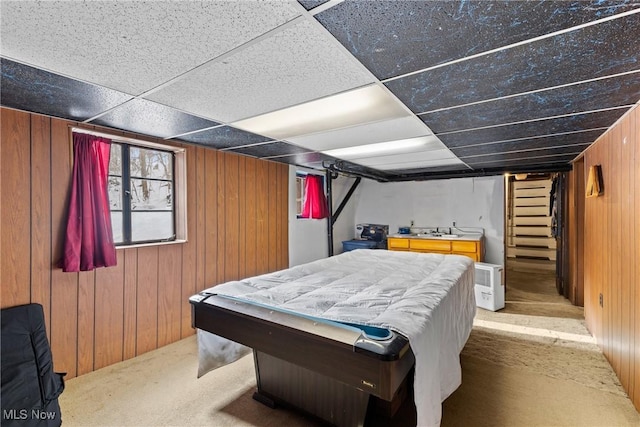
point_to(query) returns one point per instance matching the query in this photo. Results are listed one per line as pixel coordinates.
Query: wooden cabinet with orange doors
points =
(472, 248)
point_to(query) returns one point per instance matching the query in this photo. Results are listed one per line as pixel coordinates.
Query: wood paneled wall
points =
(237, 227)
(612, 250)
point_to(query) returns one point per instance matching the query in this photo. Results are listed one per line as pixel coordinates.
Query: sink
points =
(430, 235)
(437, 235)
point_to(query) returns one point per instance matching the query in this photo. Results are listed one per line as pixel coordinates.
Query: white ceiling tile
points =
(131, 46)
(410, 164)
(289, 67)
(415, 156)
(370, 133)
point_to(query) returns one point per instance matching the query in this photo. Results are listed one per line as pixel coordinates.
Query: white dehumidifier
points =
(489, 288)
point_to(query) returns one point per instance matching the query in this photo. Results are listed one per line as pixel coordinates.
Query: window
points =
(310, 187)
(299, 193)
(142, 194)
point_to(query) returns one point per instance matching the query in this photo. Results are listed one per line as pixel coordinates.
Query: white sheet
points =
(429, 298)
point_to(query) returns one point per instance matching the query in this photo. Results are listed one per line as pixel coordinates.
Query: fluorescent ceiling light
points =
(368, 133)
(413, 165)
(364, 105)
(416, 156)
(382, 148)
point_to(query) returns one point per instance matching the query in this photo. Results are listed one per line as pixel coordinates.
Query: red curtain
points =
(89, 239)
(315, 202)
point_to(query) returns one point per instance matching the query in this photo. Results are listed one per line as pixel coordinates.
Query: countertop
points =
(473, 237)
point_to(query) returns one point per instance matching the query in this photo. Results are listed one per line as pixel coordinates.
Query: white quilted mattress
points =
(429, 298)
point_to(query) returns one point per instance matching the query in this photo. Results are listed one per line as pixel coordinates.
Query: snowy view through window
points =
(141, 194)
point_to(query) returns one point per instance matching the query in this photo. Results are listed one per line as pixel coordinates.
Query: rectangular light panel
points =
(367, 104)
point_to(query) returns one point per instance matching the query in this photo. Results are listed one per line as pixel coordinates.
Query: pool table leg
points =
(281, 382)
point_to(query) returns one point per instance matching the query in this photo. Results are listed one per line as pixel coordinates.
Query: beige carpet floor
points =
(531, 364)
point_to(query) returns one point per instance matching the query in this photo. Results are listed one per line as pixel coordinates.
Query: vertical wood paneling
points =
(41, 214)
(605, 270)
(237, 219)
(635, 260)
(283, 207)
(222, 230)
(201, 229)
(86, 322)
(601, 242)
(611, 255)
(614, 234)
(169, 293)
(580, 245)
(147, 300)
(279, 196)
(109, 313)
(64, 286)
(626, 246)
(262, 216)
(15, 209)
(589, 278)
(211, 217)
(242, 217)
(251, 268)
(189, 259)
(130, 303)
(272, 250)
(231, 221)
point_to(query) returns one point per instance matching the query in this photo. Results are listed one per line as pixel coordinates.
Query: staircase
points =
(530, 245)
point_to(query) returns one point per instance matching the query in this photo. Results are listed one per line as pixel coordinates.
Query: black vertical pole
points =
(330, 211)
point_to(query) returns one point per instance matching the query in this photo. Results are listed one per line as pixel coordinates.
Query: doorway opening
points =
(531, 244)
(537, 241)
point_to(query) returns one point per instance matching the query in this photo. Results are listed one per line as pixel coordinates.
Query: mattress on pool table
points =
(428, 298)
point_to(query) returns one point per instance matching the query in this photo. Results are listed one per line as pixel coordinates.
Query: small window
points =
(142, 194)
(301, 192)
(300, 183)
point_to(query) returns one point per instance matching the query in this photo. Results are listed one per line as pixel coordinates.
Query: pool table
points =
(330, 369)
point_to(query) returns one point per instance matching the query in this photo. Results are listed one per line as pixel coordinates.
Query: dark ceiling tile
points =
(151, 118)
(514, 155)
(224, 137)
(601, 94)
(311, 4)
(522, 160)
(272, 149)
(595, 51)
(392, 38)
(31, 89)
(540, 166)
(582, 139)
(578, 122)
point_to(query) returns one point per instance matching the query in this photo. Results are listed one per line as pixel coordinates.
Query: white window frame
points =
(300, 193)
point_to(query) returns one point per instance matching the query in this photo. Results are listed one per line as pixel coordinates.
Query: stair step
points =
(530, 265)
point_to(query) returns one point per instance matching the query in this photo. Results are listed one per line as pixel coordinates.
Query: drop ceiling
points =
(423, 89)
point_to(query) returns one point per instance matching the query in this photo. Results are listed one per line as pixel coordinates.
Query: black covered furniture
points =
(335, 371)
(30, 388)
